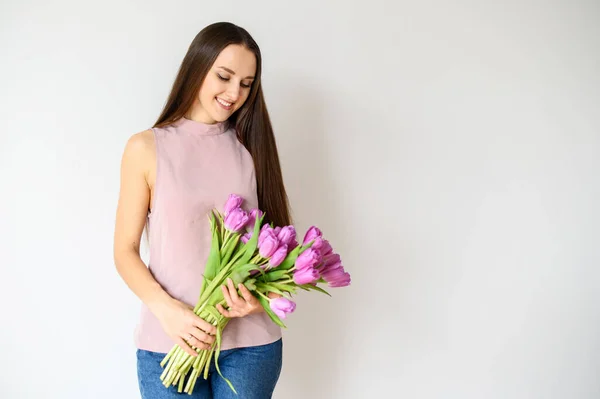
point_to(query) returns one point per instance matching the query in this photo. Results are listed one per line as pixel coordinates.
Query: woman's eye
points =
(223, 78)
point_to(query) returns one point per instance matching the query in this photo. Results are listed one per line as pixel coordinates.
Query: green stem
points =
(217, 281)
(165, 372)
(207, 368)
(263, 295)
(191, 382)
(291, 280)
(169, 370)
(188, 362)
(257, 259)
(171, 352)
(180, 385)
(226, 239)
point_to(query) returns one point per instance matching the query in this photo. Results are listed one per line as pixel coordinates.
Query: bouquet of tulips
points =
(265, 259)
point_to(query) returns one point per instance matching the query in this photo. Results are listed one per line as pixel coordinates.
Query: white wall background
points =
(449, 150)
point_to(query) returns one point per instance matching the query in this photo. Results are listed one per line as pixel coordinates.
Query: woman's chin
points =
(221, 116)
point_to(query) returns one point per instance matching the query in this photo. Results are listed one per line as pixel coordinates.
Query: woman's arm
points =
(178, 321)
(132, 209)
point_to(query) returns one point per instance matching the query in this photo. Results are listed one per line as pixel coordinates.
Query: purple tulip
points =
(282, 307)
(245, 238)
(266, 230)
(318, 243)
(292, 245)
(311, 234)
(330, 260)
(278, 256)
(308, 259)
(306, 276)
(337, 277)
(234, 201)
(328, 267)
(287, 234)
(326, 249)
(276, 230)
(254, 215)
(236, 220)
(269, 245)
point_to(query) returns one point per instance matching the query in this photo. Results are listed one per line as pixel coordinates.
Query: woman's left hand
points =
(239, 306)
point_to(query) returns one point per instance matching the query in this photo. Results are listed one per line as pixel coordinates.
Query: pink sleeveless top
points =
(198, 166)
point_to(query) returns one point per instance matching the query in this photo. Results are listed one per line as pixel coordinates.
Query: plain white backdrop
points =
(448, 150)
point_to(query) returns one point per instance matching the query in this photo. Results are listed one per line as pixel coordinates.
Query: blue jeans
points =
(253, 371)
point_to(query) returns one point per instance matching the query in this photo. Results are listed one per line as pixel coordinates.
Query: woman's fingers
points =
(239, 306)
(204, 326)
(247, 295)
(186, 347)
(233, 294)
(227, 296)
(198, 343)
(224, 311)
(195, 342)
(201, 336)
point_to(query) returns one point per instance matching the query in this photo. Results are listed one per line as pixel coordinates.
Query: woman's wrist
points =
(158, 301)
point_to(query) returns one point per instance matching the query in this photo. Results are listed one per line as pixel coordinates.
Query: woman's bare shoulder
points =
(140, 142)
(140, 150)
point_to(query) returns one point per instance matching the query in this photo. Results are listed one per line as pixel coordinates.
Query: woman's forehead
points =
(238, 60)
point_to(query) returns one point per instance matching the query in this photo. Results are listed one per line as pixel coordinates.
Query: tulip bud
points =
(287, 234)
(254, 215)
(311, 234)
(308, 259)
(269, 245)
(278, 256)
(234, 201)
(236, 220)
(266, 230)
(245, 238)
(305, 276)
(337, 277)
(282, 307)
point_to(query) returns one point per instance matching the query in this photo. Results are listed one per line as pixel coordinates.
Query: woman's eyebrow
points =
(233, 73)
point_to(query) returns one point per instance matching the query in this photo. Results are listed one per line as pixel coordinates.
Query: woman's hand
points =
(184, 327)
(238, 306)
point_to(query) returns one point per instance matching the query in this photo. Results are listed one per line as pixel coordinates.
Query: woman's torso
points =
(194, 169)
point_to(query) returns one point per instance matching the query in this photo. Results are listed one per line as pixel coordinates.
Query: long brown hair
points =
(251, 121)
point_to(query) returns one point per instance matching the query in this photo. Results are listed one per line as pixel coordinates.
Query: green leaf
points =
(213, 262)
(240, 273)
(253, 242)
(314, 287)
(217, 352)
(229, 249)
(285, 287)
(214, 312)
(275, 275)
(250, 284)
(290, 259)
(265, 288)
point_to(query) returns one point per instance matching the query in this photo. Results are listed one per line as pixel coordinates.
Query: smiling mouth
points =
(226, 105)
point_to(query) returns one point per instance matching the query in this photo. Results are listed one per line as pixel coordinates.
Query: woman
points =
(213, 138)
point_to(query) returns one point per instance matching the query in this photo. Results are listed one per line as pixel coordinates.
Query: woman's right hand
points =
(184, 327)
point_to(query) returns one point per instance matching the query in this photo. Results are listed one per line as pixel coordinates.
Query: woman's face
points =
(226, 86)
